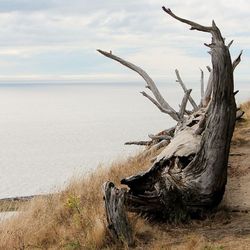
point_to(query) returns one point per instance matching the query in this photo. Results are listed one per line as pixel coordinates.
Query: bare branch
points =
(202, 85)
(208, 91)
(150, 83)
(174, 115)
(159, 137)
(154, 102)
(201, 125)
(236, 92)
(239, 114)
(237, 60)
(139, 143)
(194, 26)
(179, 80)
(229, 45)
(184, 103)
(192, 169)
(217, 37)
(209, 69)
(211, 45)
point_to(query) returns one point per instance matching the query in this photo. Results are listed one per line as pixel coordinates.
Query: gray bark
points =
(179, 80)
(118, 223)
(202, 86)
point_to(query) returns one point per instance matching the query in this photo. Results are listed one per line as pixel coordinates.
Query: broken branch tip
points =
(166, 9)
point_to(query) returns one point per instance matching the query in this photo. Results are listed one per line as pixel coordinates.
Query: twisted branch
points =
(150, 84)
(179, 80)
(237, 60)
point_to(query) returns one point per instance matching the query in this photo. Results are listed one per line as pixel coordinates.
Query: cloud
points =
(46, 36)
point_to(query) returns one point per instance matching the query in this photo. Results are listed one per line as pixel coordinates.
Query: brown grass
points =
(75, 219)
(72, 219)
(242, 129)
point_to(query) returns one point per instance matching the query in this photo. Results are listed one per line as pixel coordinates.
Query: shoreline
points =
(12, 204)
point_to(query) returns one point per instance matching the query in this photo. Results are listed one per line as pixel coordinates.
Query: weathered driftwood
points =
(179, 80)
(237, 60)
(239, 114)
(118, 223)
(139, 143)
(202, 84)
(160, 137)
(188, 178)
(155, 139)
(154, 148)
(159, 101)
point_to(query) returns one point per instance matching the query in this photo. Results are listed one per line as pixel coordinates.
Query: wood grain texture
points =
(188, 178)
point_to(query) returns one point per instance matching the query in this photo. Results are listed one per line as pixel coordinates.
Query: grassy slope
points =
(241, 135)
(74, 218)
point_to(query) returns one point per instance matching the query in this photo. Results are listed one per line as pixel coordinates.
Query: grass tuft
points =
(242, 129)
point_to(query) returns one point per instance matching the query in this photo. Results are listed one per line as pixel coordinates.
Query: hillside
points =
(74, 218)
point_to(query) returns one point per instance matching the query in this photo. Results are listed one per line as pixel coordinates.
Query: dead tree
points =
(188, 178)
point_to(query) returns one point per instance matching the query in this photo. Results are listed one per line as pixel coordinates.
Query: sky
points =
(56, 40)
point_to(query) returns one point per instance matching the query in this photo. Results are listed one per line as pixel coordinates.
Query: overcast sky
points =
(47, 40)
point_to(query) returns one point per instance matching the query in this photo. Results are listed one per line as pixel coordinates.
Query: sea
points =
(51, 133)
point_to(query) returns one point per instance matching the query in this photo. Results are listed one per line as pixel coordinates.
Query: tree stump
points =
(188, 178)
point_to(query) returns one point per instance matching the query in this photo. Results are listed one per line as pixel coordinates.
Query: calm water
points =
(49, 133)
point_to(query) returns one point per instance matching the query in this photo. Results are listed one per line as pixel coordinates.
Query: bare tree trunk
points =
(188, 177)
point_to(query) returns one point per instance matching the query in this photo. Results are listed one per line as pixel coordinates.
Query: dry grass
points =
(72, 219)
(8, 206)
(75, 219)
(242, 130)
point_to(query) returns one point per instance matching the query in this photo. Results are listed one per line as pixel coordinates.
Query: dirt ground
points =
(237, 196)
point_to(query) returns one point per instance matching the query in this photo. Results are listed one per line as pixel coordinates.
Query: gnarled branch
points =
(230, 43)
(202, 85)
(184, 103)
(189, 175)
(179, 80)
(150, 83)
(194, 26)
(236, 92)
(237, 60)
(166, 111)
(139, 143)
(239, 114)
(208, 92)
(209, 69)
(160, 137)
(216, 35)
